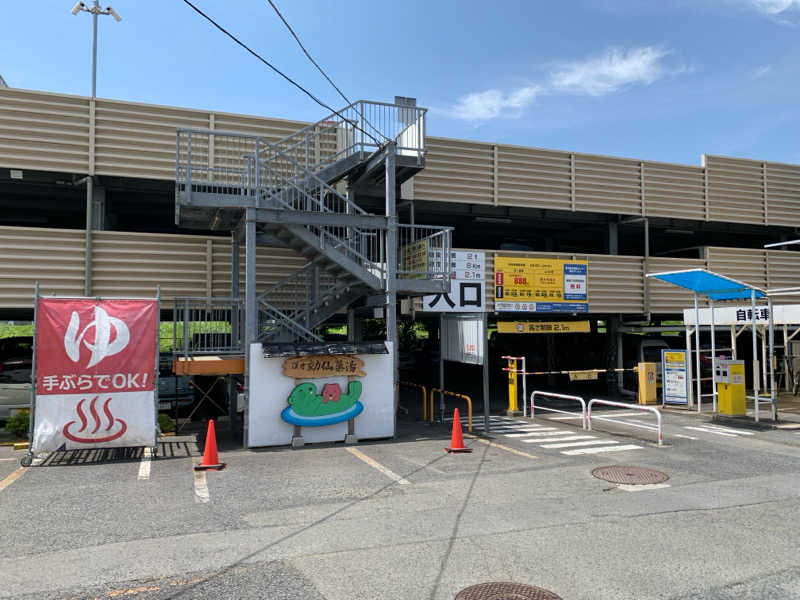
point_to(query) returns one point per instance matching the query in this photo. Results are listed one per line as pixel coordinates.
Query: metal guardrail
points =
(562, 397)
(211, 326)
(454, 395)
(624, 405)
(424, 396)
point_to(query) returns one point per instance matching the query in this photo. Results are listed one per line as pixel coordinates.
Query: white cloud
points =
(481, 106)
(761, 71)
(594, 76)
(610, 72)
(776, 7)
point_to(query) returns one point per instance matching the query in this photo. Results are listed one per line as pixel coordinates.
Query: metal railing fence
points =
(561, 397)
(211, 326)
(624, 405)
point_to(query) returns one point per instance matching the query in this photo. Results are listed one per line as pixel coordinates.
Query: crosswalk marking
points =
(562, 438)
(539, 434)
(718, 430)
(542, 431)
(600, 450)
(711, 431)
(729, 430)
(573, 444)
(568, 442)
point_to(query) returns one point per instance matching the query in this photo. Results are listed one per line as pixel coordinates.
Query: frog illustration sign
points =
(320, 398)
(310, 406)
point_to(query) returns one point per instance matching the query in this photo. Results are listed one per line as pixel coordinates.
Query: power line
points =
(303, 48)
(324, 74)
(274, 68)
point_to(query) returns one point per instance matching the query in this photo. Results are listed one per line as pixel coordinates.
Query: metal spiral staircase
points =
(301, 192)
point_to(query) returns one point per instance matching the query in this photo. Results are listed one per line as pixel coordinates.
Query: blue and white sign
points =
(574, 282)
(674, 378)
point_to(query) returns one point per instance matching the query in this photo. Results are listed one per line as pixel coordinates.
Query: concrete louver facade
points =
(77, 136)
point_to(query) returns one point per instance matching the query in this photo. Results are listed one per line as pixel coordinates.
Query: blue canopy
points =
(706, 283)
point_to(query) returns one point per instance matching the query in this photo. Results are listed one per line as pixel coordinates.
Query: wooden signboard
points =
(314, 367)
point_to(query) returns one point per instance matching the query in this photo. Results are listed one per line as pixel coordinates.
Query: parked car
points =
(15, 385)
(21, 345)
(172, 389)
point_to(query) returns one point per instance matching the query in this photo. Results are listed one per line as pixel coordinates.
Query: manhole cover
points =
(629, 475)
(505, 591)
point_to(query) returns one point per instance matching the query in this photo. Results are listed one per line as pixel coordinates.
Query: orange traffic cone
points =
(456, 440)
(210, 458)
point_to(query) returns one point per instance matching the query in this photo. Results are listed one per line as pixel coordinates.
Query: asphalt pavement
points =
(402, 519)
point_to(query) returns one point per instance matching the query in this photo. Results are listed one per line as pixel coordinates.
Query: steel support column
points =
(235, 327)
(772, 391)
(486, 403)
(713, 359)
(391, 261)
(250, 308)
(697, 354)
(88, 246)
(756, 387)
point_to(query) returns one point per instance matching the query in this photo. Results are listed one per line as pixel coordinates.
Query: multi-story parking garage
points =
(623, 217)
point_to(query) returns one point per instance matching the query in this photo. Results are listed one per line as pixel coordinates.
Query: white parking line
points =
(642, 488)
(599, 450)
(144, 466)
(687, 437)
(558, 439)
(201, 495)
(703, 429)
(376, 465)
(572, 444)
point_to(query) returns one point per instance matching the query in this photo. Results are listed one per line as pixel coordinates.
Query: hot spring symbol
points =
(91, 437)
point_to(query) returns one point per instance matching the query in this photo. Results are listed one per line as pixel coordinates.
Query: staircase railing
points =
(290, 303)
(360, 127)
(424, 252)
(218, 160)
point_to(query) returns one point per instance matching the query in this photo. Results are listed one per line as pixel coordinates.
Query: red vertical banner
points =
(95, 373)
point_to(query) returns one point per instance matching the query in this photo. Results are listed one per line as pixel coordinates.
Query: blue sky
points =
(658, 80)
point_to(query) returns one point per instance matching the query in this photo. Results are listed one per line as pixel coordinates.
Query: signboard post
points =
(674, 379)
(543, 285)
(95, 375)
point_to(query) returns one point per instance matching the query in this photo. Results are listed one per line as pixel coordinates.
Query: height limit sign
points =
(466, 284)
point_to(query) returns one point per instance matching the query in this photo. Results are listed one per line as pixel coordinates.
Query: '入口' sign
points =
(466, 284)
(95, 373)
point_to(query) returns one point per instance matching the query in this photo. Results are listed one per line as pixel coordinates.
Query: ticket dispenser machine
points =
(647, 382)
(730, 387)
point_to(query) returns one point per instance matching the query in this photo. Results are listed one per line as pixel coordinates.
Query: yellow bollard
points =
(512, 386)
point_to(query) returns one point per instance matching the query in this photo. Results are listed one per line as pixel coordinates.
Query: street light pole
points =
(95, 11)
(94, 48)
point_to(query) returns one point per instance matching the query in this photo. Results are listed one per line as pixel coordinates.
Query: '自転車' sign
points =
(95, 373)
